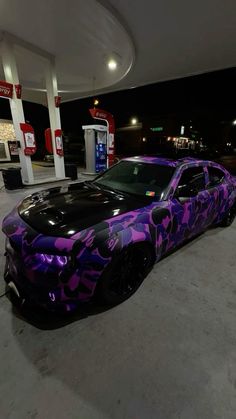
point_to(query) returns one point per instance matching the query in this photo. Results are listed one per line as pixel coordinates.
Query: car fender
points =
(107, 245)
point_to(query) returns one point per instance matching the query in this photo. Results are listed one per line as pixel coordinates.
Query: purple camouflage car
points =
(100, 238)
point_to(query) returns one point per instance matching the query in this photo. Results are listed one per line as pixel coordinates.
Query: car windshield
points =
(144, 179)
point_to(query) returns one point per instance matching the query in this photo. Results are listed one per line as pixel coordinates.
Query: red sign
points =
(6, 89)
(58, 142)
(57, 101)
(48, 140)
(108, 117)
(18, 90)
(29, 139)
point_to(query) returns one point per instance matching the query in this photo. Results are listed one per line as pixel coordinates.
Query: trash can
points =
(12, 178)
(71, 171)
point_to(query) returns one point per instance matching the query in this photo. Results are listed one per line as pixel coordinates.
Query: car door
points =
(190, 213)
(220, 189)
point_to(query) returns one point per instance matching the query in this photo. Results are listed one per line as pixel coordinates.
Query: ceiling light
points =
(112, 64)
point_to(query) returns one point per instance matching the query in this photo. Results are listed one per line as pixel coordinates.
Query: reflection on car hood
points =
(63, 211)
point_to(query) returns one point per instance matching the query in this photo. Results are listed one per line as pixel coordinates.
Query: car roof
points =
(166, 161)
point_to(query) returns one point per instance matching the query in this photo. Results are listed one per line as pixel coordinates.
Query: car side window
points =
(193, 177)
(216, 176)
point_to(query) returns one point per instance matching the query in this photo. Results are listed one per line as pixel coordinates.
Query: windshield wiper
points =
(110, 189)
(91, 185)
(113, 190)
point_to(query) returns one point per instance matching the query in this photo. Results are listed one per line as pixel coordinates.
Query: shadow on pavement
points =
(45, 320)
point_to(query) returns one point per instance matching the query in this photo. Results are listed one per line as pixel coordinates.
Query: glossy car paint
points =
(90, 226)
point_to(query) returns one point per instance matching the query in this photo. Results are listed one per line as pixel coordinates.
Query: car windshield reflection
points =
(138, 178)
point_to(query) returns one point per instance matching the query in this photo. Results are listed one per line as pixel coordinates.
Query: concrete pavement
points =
(166, 353)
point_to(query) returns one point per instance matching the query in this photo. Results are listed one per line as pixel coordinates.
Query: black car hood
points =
(66, 210)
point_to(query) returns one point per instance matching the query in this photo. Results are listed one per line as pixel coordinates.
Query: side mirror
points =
(186, 192)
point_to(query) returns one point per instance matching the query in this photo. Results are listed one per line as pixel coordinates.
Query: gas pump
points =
(109, 119)
(95, 148)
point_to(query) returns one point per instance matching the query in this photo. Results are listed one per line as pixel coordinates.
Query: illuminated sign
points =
(6, 89)
(157, 129)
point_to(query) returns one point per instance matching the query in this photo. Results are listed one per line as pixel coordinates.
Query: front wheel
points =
(124, 274)
(229, 217)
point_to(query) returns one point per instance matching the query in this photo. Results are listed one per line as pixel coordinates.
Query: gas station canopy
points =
(103, 46)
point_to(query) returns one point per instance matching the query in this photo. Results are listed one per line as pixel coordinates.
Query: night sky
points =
(208, 100)
(208, 92)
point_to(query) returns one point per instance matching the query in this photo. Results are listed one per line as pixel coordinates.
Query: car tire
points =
(229, 217)
(124, 274)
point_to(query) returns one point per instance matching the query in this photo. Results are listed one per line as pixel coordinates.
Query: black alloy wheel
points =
(229, 217)
(125, 274)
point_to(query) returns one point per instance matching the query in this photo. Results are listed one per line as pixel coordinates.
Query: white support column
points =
(54, 115)
(11, 76)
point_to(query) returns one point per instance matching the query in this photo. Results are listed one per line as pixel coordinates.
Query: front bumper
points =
(35, 294)
(27, 294)
(35, 282)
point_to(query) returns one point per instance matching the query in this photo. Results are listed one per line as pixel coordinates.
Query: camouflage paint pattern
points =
(164, 225)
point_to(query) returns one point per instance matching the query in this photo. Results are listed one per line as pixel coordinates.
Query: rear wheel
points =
(229, 217)
(124, 274)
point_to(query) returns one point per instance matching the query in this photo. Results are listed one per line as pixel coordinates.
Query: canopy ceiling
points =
(151, 41)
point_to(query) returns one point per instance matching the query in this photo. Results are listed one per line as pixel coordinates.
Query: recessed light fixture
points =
(112, 64)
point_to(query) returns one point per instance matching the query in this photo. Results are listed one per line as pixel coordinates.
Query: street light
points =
(234, 122)
(134, 121)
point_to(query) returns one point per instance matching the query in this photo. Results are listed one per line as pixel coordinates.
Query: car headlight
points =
(53, 260)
